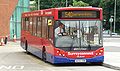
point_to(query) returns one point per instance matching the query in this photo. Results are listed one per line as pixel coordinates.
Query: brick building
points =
(15, 21)
(6, 9)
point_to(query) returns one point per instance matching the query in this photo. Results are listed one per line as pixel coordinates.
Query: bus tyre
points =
(98, 63)
(44, 55)
(26, 47)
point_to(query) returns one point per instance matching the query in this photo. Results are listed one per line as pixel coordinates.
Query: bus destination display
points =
(79, 14)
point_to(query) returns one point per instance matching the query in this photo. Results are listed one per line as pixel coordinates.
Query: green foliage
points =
(107, 5)
(79, 3)
(45, 4)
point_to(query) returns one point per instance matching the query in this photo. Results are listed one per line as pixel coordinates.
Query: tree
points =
(79, 3)
(45, 4)
(107, 5)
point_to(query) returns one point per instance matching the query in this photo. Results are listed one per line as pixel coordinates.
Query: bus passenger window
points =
(31, 26)
(23, 24)
(27, 23)
(34, 26)
(44, 27)
(39, 27)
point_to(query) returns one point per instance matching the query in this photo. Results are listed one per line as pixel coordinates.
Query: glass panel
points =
(39, 27)
(23, 23)
(44, 27)
(80, 35)
(31, 25)
(34, 26)
(27, 23)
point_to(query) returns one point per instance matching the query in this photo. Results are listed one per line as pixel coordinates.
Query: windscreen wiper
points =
(89, 47)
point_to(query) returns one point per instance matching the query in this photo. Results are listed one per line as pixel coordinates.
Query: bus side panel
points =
(49, 50)
(36, 44)
(22, 39)
(35, 51)
(38, 52)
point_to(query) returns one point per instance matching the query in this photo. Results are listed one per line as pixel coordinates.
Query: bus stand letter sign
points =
(49, 22)
(111, 20)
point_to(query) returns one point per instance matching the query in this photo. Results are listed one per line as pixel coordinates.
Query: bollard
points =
(14, 38)
(2, 42)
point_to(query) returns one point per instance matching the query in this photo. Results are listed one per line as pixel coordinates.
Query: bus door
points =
(50, 29)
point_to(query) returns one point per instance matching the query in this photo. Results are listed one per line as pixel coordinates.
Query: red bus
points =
(64, 35)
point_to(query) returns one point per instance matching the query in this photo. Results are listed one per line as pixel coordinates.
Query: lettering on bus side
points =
(82, 53)
(48, 13)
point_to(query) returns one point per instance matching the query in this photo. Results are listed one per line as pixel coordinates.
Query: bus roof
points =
(51, 11)
(89, 7)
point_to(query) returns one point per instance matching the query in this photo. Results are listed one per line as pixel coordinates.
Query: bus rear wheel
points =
(26, 47)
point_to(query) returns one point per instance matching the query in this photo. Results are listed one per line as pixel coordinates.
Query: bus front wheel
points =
(44, 54)
(98, 63)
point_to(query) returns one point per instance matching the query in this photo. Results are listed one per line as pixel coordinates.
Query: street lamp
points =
(66, 3)
(114, 15)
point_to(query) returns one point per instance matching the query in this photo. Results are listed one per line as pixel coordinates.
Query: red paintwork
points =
(38, 42)
(79, 54)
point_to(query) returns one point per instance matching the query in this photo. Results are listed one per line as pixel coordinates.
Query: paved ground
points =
(14, 58)
(112, 52)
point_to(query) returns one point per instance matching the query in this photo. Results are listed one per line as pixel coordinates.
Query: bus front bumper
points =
(96, 59)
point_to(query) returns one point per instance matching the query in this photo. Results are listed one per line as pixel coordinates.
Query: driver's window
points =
(59, 29)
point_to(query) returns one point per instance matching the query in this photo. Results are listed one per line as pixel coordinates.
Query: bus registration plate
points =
(80, 60)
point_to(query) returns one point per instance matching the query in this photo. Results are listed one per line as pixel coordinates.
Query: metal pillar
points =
(66, 3)
(38, 4)
(114, 15)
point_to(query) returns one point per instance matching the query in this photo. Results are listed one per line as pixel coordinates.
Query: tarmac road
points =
(111, 44)
(14, 58)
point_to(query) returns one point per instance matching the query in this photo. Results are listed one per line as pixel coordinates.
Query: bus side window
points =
(39, 27)
(23, 24)
(27, 23)
(50, 28)
(44, 27)
(31, 25)
(34, 26)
